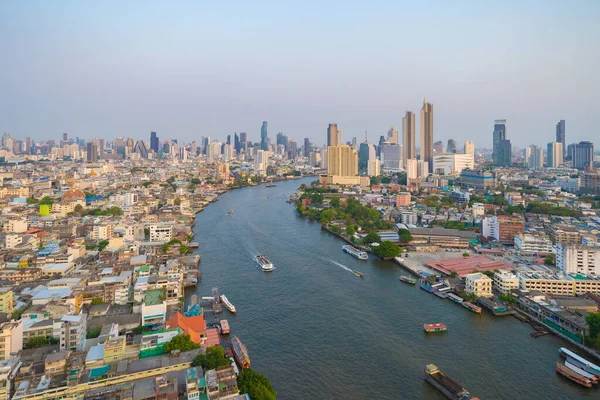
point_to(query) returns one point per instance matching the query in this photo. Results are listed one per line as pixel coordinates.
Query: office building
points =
(578, 259)
(342, 167)
(264, 138)
(154, 142)
(469, 147)
(140, 148)
(408, 130)
(366, 152)
(411, 169)
(582, 155)
(374, 167)
(427, 133)
(438, 147)
(334, 136)
(534, 157)
(92, 152)
(451, 148)
(306, 147)
(504, 157)
(590, 183)
(392, 135)
(555, 154)
(560, 134)
(503, 228)
(391, 155)
(422, 169)
(533, 244)
(499, 135)
(451, 164)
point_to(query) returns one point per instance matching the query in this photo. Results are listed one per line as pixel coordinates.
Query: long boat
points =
(444, 384)
(584, 367)
(435, 328)
(568, 353)
(573, 376)
(407, 279)
(227, 304)
(353, 251)
(358, 273)
(240, 352)
(582, 372)
(455, 298)
(471, 307)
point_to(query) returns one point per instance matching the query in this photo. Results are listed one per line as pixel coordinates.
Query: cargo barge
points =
(471, 307)
(445, 385)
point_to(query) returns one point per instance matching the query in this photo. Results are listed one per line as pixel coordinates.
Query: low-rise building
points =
(6, 300)
(533, 244)
(11, 339)
(505, 281)
(154, 308)
(479, 285)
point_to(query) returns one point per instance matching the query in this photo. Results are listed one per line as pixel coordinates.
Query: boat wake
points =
(341, 265)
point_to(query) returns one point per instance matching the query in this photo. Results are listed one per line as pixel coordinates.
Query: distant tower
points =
(333, 137)
(499, 135)
(92, 152)
(560, 135)
(469, 147)
(264, 139)
(427, 133)
(408, 131)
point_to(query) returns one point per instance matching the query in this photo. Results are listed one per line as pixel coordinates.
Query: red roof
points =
(465, 265)
(212, 338)
(193, 326)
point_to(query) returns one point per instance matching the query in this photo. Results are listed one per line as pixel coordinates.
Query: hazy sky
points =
(187, 69)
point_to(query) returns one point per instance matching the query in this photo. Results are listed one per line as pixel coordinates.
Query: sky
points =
(188, 69)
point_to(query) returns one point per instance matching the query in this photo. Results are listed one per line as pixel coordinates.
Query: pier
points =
(498, 309)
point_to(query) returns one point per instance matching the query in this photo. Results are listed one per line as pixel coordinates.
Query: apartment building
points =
(478, 284)
(505, 281)
(161, 232)
(73, 332)
(578, 259)
(6, 300)
(11, 339)
(533, 244)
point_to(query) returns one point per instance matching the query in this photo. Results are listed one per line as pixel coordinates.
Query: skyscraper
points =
(228, 139)
(555, 154)
(264, 139)
(306, 147)
(469, 147)
(535, 159)
(427, 133)
(504, 153)
(583, 155)
(366, 153)
(243, 140)
(92, 152)
(499, 135)
(342, 161)
(451, 148)
(560, 134)
(236, 143)
(408, 131)
(140, 148)
(438, 147)
(392, 135)
(153, 142)
(334, 137)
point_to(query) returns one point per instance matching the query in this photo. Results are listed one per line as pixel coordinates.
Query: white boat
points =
(227, 304)
(568, 353)
(265, 264)
(353, 251)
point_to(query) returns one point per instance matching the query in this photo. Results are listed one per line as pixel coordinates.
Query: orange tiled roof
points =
(193, 326)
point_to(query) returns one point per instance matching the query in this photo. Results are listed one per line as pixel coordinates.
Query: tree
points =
(93, 333)
(214, 358)
(466, 254)
(181, 343)
(78, 208)
(386, 179)
(102, 245)
(372, 237)
(489, 274)
(195, 181)
(39, 341)
(593, 321)
(335, 202)
(453, 274)
(550, 260)
(350, 230)
(47, 200)
(97, 301)
(32, 200)
(387, 249)
(114, 211)
(256, 385)
(404, 235)
(177, 201)
(327, 216)
(374, 180)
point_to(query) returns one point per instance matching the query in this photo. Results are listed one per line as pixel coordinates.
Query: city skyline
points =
(88, 81)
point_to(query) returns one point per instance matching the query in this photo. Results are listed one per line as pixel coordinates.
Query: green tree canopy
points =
(372, 237)
(177, 201)
(335, 202)
(181, 343)
(102, 245)
(350, 230)
(256, 385)
(47, 200)
(387, 249)
(214, 358)
(404, 235)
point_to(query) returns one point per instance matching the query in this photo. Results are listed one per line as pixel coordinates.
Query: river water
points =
(320, 332)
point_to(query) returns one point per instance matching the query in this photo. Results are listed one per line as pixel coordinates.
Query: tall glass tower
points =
(499, 136)
(264, 140)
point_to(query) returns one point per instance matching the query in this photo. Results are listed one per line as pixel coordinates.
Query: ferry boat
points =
(471, 307)
(444, 384)
(441, 295)
(358, 273)
(227, 304)
(407, 279)
(573, 376)
(584, 367)
(455, 298)
(425, 285)
(353, 251)
(265, 264)
(240, 353)
(435, 328)
(593, 378)
(593, 368)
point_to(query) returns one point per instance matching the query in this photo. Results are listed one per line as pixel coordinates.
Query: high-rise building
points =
(555, 154)
(391, 155)
(411, 168)
(183, 154)
(334, 137)
(306, 147)
(228, 152)
(101, 146)
(560, 134)
(92, 152)
(452, 163)
(427, 133)
(408, 131)
(243, 139)
(342, 161)
(264, 138)
(438, 147)
(194, 148)
(499, 135)
(140, 148)
(366, 152)
(504, 153)
(535, 158)
(469, 147)
(236, 143)
(451, 148)
(392, 135)
(582, 155)
(374, 168)
(154, 142)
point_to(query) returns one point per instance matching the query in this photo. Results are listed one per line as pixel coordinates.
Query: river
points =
(320, 332)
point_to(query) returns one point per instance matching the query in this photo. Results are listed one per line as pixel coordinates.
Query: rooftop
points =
(465, 265)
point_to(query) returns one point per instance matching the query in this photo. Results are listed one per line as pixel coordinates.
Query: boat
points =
(230, 212)
(441, 295)
(270, 185)
(265, 264)
(455, 298)
(358, 273)
(224, 327)
(568, 353)
(573, 376)
(582, 372)
(444, 384)
(435, 328)
(227, 304)
(353, 251)
(425, 285)
(408, 279)
(584, 367)
(471, 307)
(240, 353)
